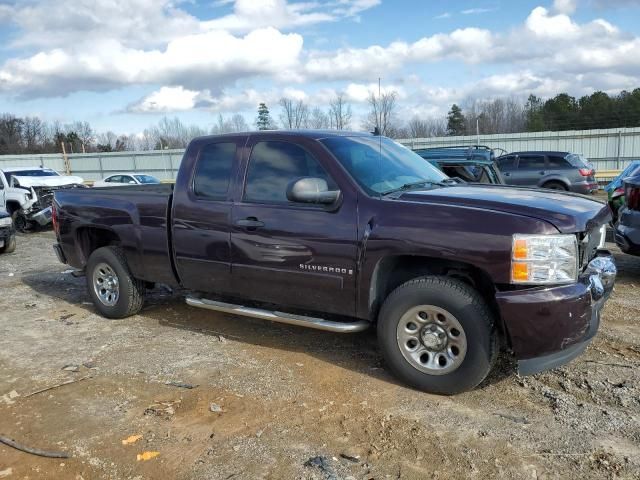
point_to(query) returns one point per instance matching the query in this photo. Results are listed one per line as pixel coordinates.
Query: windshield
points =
(45, 172)
(146, 179)
(379, 164)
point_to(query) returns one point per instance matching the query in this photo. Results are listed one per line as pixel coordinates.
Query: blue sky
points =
(124, 64)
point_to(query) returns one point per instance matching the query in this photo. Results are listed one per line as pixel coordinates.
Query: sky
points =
(124, 64)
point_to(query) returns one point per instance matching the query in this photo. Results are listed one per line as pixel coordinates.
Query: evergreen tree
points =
(533, 113)
(455, 121)
(263, 121)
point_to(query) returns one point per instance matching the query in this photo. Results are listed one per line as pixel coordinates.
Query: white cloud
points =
(251, 14)
(565, 6)
(476, 11)
(167, 99)
(197, 60)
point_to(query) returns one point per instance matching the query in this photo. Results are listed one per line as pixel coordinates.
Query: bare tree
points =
(382, 110)
(318, 119)
(238, 123)
(339, 113)
(32, 134)
(426, 127)
(85, 133)
(295, 114)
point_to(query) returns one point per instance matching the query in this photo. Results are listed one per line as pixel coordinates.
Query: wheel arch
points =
(90, 238)
(392, 271)
(555, 179)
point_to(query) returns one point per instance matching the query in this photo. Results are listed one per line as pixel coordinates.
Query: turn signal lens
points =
(544, 259)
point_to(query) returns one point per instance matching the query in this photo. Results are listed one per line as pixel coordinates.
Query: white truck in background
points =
(28, 192)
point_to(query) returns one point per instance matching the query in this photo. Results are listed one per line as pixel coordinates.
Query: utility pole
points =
(67, 167)
(478, 131)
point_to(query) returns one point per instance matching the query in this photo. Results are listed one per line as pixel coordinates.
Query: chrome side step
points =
(288, 318)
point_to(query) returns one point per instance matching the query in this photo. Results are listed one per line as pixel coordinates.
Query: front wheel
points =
(114, 290)
(9, 245)
(437, 335)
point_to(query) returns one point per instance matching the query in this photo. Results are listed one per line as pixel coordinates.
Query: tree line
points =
(499, 115)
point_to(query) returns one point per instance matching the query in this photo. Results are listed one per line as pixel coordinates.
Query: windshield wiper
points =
(408, 186)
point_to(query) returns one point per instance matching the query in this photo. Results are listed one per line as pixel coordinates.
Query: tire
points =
(122, 295)
(10, 245)
(449, 305)
(20, 222)
(555, 186)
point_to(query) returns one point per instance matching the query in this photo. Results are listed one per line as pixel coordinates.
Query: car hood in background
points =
(59, 181)
(568, 212)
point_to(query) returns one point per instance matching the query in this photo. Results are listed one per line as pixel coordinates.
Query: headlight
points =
(544, 259)
(5, 222)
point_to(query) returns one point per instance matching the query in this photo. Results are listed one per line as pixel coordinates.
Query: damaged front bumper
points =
(549, 327)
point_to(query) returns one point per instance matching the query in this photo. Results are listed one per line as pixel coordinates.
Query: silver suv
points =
(555, 170)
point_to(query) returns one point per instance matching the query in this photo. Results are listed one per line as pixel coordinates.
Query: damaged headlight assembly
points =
(5, 222)
(544, 259)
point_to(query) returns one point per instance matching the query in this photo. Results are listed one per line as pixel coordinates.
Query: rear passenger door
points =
(292, 254)
(201, 214)
(531, 169)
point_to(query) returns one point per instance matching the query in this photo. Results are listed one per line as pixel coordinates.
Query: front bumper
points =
(43, 217)
(549, 327)
(627, 234)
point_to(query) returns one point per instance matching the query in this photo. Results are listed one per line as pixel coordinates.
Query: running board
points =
(288, 318)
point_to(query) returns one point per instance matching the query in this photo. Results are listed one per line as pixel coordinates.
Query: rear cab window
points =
(213, 170)
(273, 165)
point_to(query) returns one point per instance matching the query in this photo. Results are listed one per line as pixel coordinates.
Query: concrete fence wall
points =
(610, 149)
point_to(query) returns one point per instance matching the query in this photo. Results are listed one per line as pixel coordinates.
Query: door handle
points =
(250, 222)
(506, 174)
(541, 172)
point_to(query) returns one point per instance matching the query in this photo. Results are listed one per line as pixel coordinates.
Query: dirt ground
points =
(279, 402)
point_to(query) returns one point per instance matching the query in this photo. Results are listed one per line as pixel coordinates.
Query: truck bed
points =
(136, 215)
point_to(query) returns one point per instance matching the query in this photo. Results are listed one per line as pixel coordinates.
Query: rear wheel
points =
(555, 186)
(112, 287)
(437, 335)
(9, 245)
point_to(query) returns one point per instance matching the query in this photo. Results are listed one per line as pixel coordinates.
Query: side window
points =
(211, 179)
(556, 161)
(531, 161)
(506, 163)
(127, 179)
(115, 179)
(273, 165)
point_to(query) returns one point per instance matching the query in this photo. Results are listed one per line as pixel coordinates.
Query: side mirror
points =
(311, 190)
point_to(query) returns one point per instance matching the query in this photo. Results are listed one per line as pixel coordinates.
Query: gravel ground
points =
(273, 401)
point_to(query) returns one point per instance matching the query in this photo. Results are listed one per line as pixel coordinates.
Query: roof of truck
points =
(315, 134)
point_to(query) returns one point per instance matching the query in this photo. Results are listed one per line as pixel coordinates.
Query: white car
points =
(28, 193)
(120, 179)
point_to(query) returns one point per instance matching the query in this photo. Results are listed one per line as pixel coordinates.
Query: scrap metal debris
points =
(144, 456)
(33, 451)
(67, 382)
(181, 385)
(131, 439)
(322, 463)
(163, 408)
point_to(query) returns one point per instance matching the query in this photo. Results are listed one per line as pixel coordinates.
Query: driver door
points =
(293, 254)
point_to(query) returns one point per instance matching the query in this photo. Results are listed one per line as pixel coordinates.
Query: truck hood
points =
(59, 181)
(568, 212)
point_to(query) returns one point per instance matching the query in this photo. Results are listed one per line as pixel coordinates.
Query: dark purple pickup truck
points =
(341, 231)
